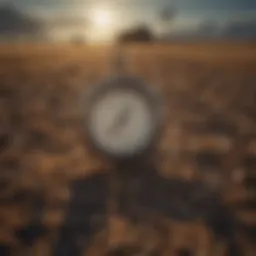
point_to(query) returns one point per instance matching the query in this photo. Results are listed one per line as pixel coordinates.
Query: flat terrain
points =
(42, 145)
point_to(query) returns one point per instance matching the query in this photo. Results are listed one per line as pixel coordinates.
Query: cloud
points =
(14, 22)
(236, 30)
(241, 30)
(216, 5)
(65, 21)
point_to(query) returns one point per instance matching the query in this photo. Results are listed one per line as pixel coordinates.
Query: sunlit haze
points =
(102, 20)
(102, 17)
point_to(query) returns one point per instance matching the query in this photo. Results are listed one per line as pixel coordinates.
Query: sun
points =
(103, 22)
(102, 17)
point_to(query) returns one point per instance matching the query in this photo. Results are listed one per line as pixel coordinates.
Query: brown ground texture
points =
(42, 146)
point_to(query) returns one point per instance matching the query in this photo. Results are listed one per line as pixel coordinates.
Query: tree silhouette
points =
(138, 34)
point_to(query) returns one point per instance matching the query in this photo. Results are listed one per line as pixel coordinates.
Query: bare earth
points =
(42, 145)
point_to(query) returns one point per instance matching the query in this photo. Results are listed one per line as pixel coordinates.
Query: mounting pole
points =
(117, 63)
(119, 60)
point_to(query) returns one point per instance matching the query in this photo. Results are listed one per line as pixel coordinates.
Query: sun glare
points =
(103, 23)
(102, 17)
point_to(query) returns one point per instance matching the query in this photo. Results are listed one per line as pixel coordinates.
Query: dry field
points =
(210, 97)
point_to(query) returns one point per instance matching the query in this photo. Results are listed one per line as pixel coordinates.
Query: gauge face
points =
(122, 121)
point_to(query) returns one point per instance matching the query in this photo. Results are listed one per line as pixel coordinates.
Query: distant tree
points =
(78, 40)
(137, 34)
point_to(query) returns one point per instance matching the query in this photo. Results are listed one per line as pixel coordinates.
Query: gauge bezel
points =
(153, 100)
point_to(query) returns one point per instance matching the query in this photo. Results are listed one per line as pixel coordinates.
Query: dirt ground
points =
(42, 145)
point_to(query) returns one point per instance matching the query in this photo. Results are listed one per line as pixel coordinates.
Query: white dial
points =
(121, 121)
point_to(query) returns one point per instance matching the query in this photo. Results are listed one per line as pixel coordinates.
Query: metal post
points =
(119, 62)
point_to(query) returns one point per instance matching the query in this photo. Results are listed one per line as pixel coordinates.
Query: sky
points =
(102, 19)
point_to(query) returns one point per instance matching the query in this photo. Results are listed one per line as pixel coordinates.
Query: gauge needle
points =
(120, 120)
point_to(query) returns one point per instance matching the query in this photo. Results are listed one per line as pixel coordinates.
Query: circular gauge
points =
(123, 117)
